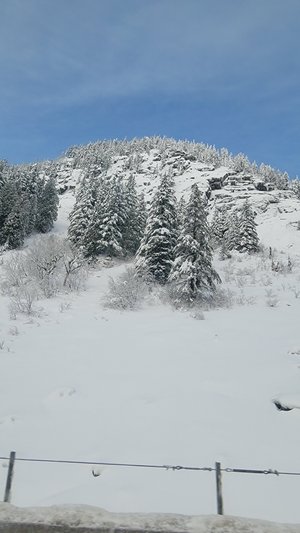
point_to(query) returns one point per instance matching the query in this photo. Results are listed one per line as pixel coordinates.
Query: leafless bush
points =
(266, 280)
(281, 267)
(23, 300)
(221, 298)
(15, 273)
(14, 331)
(240, 281)
(49, 263)
(126, 292)
(295, 291)
(64, 306)
(75, 280)
(198, 315)
(44, 260)
(228, 272)
(272, 299)
(243, 299)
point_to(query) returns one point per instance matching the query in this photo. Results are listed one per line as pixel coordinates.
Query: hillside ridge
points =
(273, 198)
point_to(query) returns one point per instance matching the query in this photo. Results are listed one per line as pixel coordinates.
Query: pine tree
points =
(295, 186)
(94, 220)
(192, 275)
(47, 205)
(12, 233)
(112, 221)
(8, 198)
(29, 210)
(82, 213)
(156, 252)
(219, 227)
(247, 235)
(233, 235)
(135, 218)
(3, 171)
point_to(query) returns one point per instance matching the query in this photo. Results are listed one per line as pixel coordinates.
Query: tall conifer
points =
(156, 252)
(192, 275)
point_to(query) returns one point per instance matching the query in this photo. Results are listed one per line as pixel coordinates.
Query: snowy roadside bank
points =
(87, 519)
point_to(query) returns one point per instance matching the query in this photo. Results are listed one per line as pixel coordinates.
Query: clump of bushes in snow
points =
(128, 291)
(48, 266)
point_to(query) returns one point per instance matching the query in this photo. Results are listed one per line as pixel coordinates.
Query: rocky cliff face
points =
(277, 210)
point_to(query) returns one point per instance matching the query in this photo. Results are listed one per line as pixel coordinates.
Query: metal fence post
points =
(7, 494)
(219, 489)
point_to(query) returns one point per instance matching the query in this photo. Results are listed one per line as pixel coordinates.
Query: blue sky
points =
(224, 72)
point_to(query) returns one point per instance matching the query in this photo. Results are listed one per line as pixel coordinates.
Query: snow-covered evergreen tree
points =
(89, 246)
(135, 218)
(295, 186)
(12, 233)
(8, 198)
(3, 171)
(247, 235)
(192, 275)
(47, 205)
(112, 221)
(219, 227)
(156, 252)
(83, 210)
(233, 233)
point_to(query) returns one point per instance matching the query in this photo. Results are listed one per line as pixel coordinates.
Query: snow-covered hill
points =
(159, 386)
(92, 519)
(278, 210)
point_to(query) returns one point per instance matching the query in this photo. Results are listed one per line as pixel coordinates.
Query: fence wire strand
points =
(268, 471)
(107, 463)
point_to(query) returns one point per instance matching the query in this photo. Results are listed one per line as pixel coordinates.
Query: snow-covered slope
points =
(90, 518)
(158, 386)
(278, 211)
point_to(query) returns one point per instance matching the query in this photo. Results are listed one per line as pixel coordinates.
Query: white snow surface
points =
(92, 517)
(159, 386)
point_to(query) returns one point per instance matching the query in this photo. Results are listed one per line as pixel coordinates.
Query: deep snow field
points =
(158, 386)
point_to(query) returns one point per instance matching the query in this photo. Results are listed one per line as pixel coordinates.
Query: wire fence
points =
(217, 469)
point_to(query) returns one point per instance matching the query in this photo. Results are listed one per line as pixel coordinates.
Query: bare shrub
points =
(14, 331)
(75, 279)
(295, 291)
(281, 267)
(198, 315)
(126, 292)
(44, 263)
(240, 281)
(23, 300)
(266, 280)
(15, 272)
(243, 299)
(50, 264)
(221, 298)
(272, 299)
(64, 306)
(228, 272)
